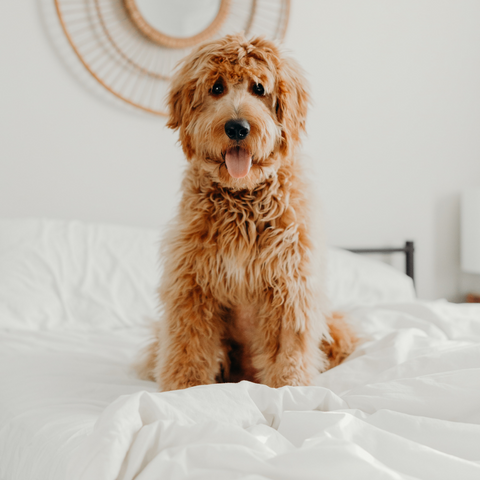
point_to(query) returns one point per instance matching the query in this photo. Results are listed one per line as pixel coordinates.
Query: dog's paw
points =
(168, 386)
(185, 376)
(288, 371)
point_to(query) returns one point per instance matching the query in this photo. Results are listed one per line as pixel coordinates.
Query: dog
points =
(239, 295)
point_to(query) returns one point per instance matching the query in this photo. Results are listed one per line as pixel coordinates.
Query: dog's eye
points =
(217, 89)
(258, 89)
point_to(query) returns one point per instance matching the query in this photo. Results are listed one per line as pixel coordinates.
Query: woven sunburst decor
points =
(134, 60)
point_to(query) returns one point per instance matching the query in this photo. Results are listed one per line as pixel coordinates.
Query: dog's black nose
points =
(237, 129)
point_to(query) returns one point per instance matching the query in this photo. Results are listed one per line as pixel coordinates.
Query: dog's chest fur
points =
(246, 242)
(247, 231)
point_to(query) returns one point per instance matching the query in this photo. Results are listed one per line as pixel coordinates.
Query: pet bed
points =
(75, 300)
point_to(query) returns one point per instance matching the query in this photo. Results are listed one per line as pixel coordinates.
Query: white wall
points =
(393, 134)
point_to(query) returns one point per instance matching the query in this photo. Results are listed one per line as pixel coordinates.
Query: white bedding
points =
(74, 300)
(406, 405)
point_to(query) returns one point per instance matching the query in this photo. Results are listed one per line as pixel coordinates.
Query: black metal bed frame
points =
(408, 250)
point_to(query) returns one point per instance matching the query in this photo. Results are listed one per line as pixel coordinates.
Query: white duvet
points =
(406, 405)
(74, 299)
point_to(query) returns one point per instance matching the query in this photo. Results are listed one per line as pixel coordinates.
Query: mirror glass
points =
(179, 18)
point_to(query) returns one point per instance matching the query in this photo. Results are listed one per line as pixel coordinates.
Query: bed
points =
(75, 302)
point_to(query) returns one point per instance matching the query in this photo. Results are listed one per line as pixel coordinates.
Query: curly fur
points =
(239, 295)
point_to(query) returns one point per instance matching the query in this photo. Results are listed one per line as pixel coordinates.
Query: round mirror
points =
(179, 23)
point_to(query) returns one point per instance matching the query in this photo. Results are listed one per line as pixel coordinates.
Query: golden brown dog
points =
(239, 295)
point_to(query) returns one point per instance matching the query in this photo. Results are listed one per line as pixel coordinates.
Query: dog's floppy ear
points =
(292, 102)
(182, 99)
(174, 101)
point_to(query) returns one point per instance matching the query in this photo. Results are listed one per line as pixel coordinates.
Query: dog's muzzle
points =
(237, 159)
(237, 129)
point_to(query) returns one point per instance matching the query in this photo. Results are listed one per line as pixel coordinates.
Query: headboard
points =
(408, 250)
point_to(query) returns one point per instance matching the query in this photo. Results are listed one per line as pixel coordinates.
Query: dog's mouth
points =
(238, 162)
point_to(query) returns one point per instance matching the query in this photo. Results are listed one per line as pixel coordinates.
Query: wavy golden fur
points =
(239, 295)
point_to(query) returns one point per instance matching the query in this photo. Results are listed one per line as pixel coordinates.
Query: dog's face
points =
(240, 108)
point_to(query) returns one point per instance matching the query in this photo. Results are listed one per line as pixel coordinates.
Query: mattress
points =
(75, 301)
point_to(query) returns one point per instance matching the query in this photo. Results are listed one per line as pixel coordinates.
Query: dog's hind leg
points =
(146, 363)
(343, 341)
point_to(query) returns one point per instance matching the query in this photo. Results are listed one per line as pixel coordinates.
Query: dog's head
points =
(240, 107)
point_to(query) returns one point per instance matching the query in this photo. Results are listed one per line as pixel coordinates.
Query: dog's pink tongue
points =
(238, 162)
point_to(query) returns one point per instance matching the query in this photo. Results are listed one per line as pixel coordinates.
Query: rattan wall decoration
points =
(133, 60)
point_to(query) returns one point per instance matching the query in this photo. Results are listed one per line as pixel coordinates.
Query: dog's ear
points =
(182, 99)
(174, 101)
(291, 102)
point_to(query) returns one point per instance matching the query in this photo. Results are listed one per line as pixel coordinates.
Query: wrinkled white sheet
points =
(406, 405)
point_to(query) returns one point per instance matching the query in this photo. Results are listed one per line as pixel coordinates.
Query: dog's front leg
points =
(192, 345)
(288, 342)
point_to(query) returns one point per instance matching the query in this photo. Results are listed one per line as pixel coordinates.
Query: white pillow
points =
(70, 274)
(354, 280)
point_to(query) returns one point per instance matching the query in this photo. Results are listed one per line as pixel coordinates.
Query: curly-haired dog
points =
(238, 292)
